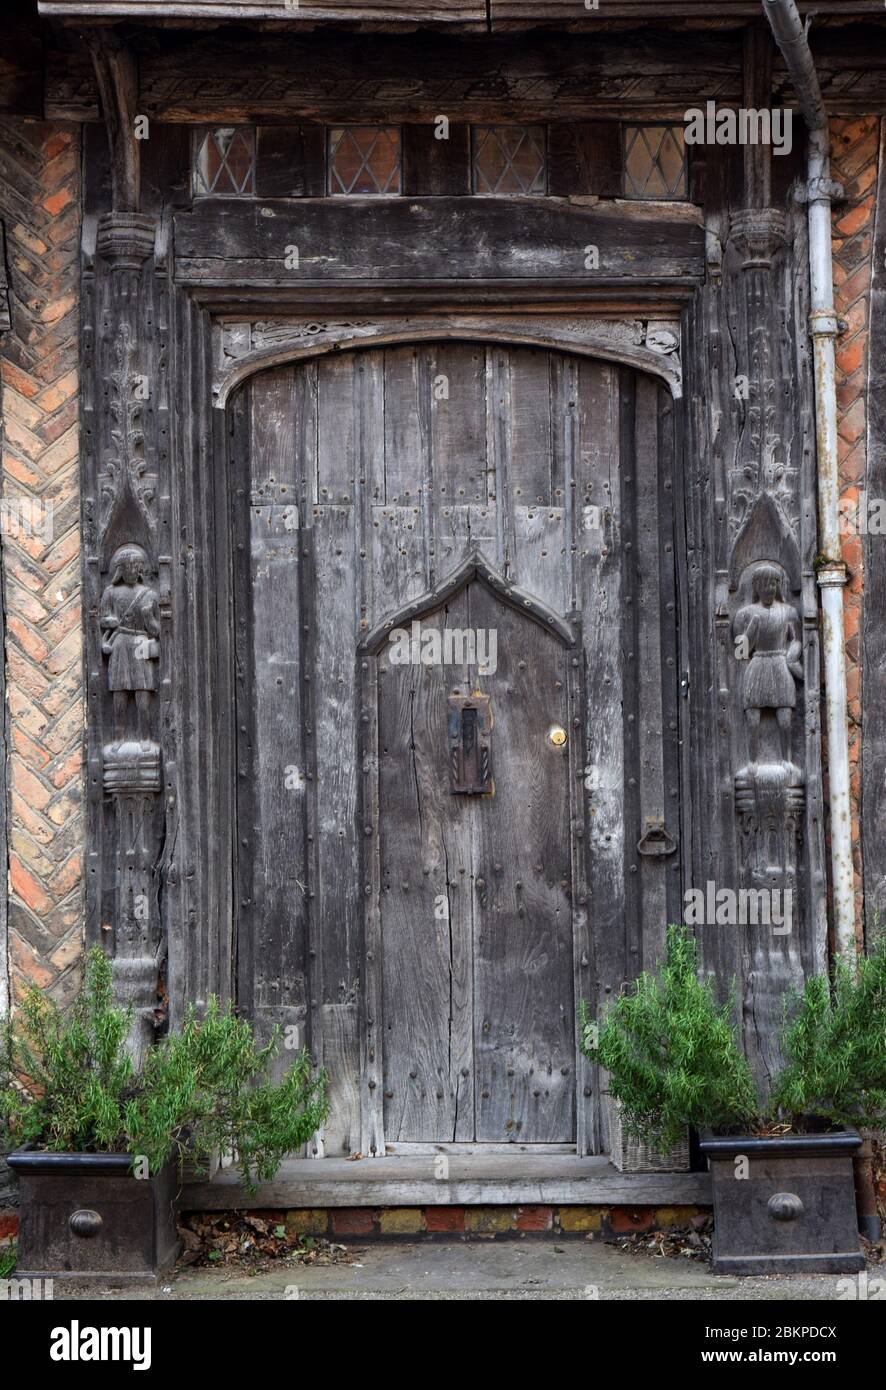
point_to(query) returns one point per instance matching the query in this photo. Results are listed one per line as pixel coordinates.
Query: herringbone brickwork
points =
(854, 153)
(40, 206)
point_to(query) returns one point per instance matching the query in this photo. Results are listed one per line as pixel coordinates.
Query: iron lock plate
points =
(470, 728)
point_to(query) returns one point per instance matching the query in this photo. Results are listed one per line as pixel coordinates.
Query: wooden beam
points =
(474, 1180)
(377, 239)
(433, 11)
(117, 79)
(337, 76)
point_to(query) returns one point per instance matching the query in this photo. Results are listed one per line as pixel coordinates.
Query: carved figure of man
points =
(130, 624)
(773, 636)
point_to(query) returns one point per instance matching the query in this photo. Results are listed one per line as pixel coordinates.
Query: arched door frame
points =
(591, 1125)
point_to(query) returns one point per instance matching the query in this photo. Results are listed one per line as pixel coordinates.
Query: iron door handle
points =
(655, 842)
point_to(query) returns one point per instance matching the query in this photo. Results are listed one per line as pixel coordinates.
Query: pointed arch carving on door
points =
(474, 566)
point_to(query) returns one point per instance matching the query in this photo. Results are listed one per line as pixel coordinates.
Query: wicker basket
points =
(630, 1156)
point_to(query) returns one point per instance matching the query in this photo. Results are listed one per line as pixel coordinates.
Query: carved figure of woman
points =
(130, 624)
(773, 636)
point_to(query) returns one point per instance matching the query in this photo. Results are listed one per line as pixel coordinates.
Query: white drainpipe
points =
(790, 35)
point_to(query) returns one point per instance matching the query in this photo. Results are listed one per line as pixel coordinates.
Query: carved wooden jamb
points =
(125, 534)
(765, 615)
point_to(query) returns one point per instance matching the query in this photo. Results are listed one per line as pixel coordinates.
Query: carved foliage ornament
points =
(127, 486)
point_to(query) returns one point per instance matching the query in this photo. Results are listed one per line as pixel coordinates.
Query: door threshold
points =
(411, 1149)
(401, 1180)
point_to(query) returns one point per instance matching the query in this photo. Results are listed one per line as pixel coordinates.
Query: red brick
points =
(353, 1221)
(534, 1218)
(850, 357)
(450, 1219)
(623, 1219)
(57, 202)
(854, 220)
(39, 366)
(8, 1225)
(26, 886)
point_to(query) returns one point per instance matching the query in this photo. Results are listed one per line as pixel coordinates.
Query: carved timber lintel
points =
(241, 348)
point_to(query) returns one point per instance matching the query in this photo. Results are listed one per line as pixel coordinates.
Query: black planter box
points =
(85, 1216)
(794, 1213)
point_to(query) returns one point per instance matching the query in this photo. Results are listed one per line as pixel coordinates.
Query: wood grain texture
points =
(421, 239)
(449, 937)
(474, 1179)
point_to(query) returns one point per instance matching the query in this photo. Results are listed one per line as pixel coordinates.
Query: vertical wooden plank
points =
(529, 427)
(290, 161)
(405, 431)
(648, 665)
(458, 430)
(584, 966)
(280, 884)
(306, 436)
(239, 417)
(543, 552)
(584, 158)
(397, 556)
(336, 930)
(166, 168)
(371, 997)
(435, 167)
(337, 429)
(629, 634)
(274, 463)
(466, 528)
(605, 613)
(670, 671)
(498, 452)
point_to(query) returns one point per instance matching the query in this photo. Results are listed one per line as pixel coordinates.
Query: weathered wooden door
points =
(476, 916)
(443, 846)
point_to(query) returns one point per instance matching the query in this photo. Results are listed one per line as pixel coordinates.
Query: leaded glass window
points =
(509, 159)
(364, 159)
(654, 161)
(224, 164)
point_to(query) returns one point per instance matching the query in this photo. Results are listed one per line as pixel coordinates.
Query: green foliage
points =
(67, 1085)
(7, 1261)
(835, 1047)
(74, 1069)
(202, 1092)
(671, 1052)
